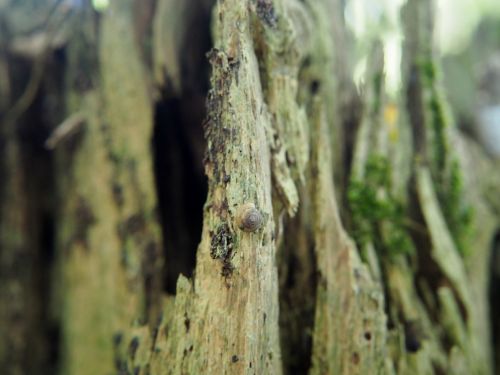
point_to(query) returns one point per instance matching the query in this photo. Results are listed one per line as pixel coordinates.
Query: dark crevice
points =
(35, 348)
(415, 109)
(429, 275)
(297, 296)
(179, 147)
(39, 167)
(427, 271)
(180, 181)
(351, 120)
(494, 295)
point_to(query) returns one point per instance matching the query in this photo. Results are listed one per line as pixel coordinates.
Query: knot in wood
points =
(248, 218)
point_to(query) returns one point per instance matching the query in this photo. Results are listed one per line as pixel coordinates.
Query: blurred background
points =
(466, 37)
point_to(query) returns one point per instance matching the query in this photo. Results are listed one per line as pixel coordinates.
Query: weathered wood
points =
(108, 237)
(350, 326)
(308, 261)
(233, 320)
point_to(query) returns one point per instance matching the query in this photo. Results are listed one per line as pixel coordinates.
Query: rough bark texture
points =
(337, 234)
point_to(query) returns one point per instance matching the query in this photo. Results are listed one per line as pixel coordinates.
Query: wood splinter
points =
(65, 130)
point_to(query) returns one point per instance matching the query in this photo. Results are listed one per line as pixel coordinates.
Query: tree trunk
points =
(196, 187)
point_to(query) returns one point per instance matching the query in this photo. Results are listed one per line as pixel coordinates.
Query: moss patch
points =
(376, 214)
(445, 167)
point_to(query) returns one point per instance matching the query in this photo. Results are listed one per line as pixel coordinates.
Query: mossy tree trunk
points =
(333, 233)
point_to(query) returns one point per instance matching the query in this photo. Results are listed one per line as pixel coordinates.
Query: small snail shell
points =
(248, 218)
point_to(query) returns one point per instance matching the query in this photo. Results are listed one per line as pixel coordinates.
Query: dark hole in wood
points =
(355, 358)
(30, 265)
(180, 181)
(298, 281)
(179, 148)
(315, 85)
(494, 295)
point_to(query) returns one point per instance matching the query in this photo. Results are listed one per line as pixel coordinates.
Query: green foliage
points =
(376, 215)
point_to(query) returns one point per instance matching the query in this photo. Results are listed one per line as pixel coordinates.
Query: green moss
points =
(446, 170)
(377, 91)
(435, 114)
(458, 214)
(440, 149)
(428, 70)
(378, 217)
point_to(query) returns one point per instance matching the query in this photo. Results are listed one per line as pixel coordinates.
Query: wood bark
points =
(338, 232)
